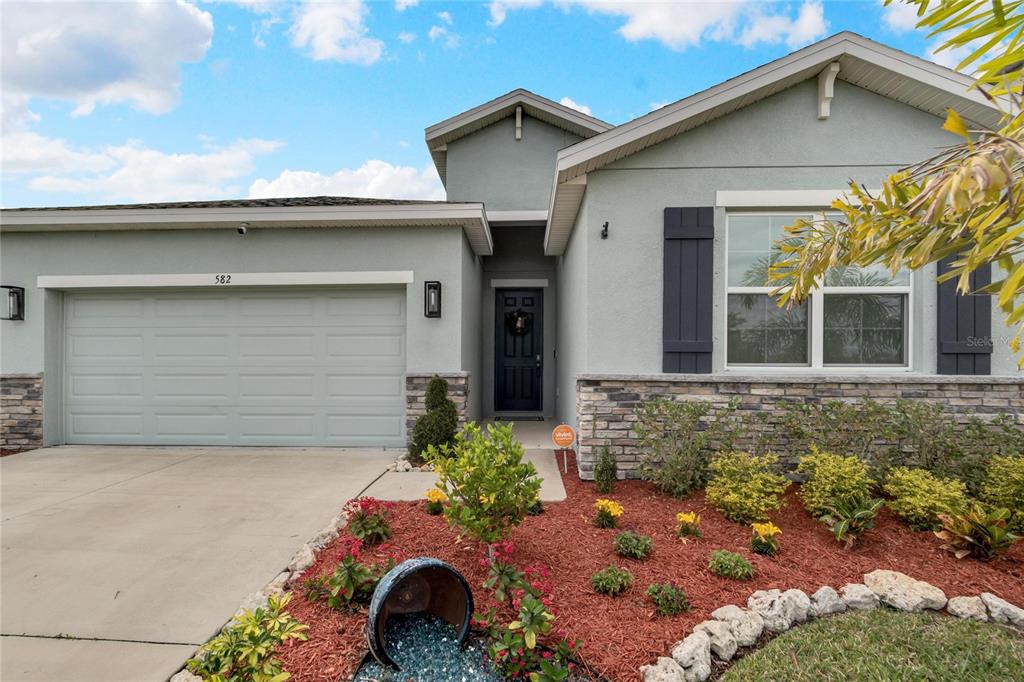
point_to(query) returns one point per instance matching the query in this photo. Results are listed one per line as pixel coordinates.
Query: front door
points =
(518, 351)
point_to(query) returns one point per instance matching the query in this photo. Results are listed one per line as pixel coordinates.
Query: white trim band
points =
(785, 198)
(224, 280)
(518, 283)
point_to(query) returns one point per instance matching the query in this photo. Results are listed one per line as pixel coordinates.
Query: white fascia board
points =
(224, 280)
(517, 216)
(785, 198)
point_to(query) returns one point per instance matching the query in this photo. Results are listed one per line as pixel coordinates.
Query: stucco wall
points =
(472, 348)
(776, 144)
(519, 254)
(572, 319)
(506, 174)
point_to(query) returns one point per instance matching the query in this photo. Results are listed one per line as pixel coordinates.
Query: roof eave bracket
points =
(827, 89)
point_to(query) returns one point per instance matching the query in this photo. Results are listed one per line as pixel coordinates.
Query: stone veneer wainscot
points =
(606, 403)
(416, 395)
(21, 412)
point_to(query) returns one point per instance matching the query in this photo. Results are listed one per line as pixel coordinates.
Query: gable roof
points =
(440, 134)
(889, 72)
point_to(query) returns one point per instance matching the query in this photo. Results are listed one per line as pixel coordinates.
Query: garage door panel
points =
(300, 368)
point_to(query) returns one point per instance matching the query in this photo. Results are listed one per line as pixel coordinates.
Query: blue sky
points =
(265, 98)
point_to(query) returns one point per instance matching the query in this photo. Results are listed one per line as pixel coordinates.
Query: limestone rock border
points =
(776, 611)
(299, 564)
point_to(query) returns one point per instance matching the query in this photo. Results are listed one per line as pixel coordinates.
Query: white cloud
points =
(899, 16)
(335, 31)
(687, 23)
(449, 39)
(132, 171)
(402, 5)
(567, 102)
(94, 53)
(445, 16)
(658, 105)
(406, 37)
(375, 178)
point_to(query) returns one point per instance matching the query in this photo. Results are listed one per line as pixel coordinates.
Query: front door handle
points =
(538, 359)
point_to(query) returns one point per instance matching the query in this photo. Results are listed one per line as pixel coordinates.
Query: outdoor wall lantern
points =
(432, 299)
(14, 307)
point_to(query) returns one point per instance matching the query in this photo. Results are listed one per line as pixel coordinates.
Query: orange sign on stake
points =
(563, 436)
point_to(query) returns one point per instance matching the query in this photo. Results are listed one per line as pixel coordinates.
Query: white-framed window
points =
(857, 318)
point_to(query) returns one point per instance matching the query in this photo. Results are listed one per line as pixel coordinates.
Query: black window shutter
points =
(689, 278)
(965, 325)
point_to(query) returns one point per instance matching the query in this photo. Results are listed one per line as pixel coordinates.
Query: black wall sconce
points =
(432, 299)
(604, 230)
(14, 305)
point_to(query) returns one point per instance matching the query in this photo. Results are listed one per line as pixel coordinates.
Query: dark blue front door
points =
(518, 352)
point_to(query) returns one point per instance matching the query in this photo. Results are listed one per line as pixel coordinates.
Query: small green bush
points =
(438, 426)
(668, 599)
(244, 649)
(744, 487)
(977, 532)
(831, 478)
(490, 488)
(679, 438)
(368, 519)
(729, 565)
(612, 581)
(1004, 488)
(918, 496)
(606, 471)
(633, 545)
(851, 517)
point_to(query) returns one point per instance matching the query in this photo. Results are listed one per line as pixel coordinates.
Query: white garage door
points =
(239, 367)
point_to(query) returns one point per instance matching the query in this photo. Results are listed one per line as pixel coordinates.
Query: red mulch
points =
(621, 634)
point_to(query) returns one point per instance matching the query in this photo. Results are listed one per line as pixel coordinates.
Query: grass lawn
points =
(887, 645)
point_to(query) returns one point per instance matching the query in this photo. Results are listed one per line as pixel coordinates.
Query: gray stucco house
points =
(575, 268)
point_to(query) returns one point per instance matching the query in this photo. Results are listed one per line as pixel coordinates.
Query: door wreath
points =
(518, 322)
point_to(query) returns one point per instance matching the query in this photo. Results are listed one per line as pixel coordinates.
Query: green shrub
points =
(831, 478)
(438, 426)
(1004, 487)
(606, 471)
(837, 426)
(850, 517)
(668, 599)
(612, 581)
(744, 487)
(368, 519)
(353, 582)
(633, 545)
(678, 440)
(918, 496)
(244, 649)
(607, 513)
(729, 565)
(976, 532)
(490, 488)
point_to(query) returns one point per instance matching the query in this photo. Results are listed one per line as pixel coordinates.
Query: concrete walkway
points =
(139, 554)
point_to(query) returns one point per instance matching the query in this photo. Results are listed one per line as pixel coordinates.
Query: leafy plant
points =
(606, 471)
(831, 478)
(633, 545)
(850, 517)
(352, 583)
(534, 620)
(668, 599)
(503, 576)
(435, 501)
(679, 437)
(744, 487)
(688, 525)
(837, 426)
(607, 513)
(1004, 487)
(918, 497)
(368, 519)
(316, 588)
(438, 425)
(244, 649)
(611, 580)
(976, 532)
(765, 539)
(729, 565)
(536, 508)
(490, 488)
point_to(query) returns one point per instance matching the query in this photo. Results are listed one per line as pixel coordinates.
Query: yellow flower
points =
(689, 518)
(766, 530)
(488, 499)
(611, 507)
(436, 496)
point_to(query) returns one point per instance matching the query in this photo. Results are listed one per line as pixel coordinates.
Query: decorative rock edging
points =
(299, 564)
(776, 611)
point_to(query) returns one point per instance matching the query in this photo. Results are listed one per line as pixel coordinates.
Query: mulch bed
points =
(621, 634)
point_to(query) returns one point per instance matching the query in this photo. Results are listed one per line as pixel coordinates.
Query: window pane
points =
(748, 268)
(751, 239)
(759, 332)
(865, 329)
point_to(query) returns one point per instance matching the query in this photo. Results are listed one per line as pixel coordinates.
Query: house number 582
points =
(222, 279)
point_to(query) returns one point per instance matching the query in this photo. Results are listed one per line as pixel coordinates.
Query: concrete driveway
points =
(117, 562)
